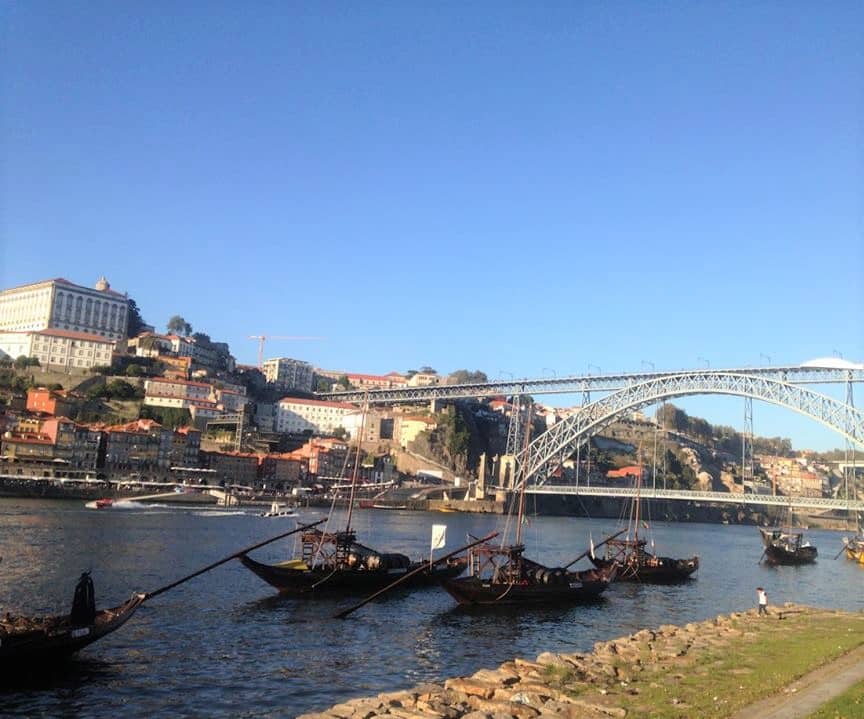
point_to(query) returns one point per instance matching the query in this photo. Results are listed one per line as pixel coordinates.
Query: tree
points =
(134, 370)
(135, 325)
(22, 361)
(463, 376)
(121, 389)
(324, 384)
(171, 417)
(178, 325)
(457, 436)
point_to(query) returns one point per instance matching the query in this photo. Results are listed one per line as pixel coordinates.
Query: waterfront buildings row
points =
(145, 450)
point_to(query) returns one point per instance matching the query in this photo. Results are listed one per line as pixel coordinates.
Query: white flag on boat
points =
(439, 536)
(591, 544)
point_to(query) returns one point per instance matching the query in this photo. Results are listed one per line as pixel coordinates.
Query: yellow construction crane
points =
(263, 338)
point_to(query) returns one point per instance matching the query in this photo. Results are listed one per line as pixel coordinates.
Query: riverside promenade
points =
(787, 665)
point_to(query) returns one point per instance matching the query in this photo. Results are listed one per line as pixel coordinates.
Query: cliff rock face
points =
(704, 478)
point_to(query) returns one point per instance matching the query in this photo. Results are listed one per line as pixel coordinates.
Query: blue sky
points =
(524, 189)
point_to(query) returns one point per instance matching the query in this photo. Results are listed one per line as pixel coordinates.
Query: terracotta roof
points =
(185, 383)
(29, 440)
(317, 403)
(64, 281)
(69, 334)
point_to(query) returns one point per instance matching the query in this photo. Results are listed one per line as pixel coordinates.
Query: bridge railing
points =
(697, 496)
(793, 374)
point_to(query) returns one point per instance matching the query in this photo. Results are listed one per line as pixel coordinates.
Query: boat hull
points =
(27, 643)
(655, 570)
(302, 582)
(779, 555)
(577, 587)
(787, 547)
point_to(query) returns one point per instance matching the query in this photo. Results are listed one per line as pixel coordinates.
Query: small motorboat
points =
(104, 503)
(276, 510)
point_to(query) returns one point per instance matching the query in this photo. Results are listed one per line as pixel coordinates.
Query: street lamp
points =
(702, 359)
(767, 357)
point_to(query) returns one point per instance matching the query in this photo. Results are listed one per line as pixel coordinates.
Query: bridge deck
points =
(695, 496)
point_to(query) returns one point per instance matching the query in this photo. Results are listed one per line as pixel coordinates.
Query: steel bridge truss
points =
(545, 453)
(584, 384)
(689, 495)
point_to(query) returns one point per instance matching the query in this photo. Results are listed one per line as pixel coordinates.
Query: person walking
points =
(762, 599)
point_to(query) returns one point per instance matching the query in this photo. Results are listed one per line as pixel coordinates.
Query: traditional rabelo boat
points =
(335, 563)
(635, 562)
(854, 548)
(786, 546)
(500, 574)
(27, 641)
(853, 545)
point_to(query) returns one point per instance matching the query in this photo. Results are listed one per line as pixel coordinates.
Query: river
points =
(225, 645)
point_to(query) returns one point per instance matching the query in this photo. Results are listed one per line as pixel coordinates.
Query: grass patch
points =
(558, 675)
(758, 660)
(847, 706)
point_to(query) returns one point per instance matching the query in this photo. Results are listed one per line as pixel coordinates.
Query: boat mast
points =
(357, 462)
(523, 479)
(638, 491)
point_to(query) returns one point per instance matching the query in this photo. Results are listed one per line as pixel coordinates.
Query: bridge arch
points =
(560, 441)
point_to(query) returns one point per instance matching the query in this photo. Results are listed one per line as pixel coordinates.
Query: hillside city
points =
(88, 388)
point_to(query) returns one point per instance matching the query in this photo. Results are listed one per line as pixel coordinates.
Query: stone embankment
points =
(632, 676)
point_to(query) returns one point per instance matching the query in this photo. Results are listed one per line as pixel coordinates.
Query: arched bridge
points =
(547, 452)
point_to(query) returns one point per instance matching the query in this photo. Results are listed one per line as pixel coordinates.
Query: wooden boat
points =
(635, 562)
(500, 574)
(29, 643)
(34, 641)
(853, 548)
(334, 563)
(786, 546)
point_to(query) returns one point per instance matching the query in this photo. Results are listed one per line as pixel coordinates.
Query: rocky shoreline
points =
(619, 678)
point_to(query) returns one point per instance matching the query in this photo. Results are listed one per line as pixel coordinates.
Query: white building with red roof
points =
(294, 415)
(59, 349)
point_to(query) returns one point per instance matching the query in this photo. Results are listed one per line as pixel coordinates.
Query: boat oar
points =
(150, 595)
(588, 551)
(425, 567)
(762, 555)
(842, 549)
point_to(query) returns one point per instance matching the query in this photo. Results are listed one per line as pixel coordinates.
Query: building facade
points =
(61, 304)
(59, 349)
(288, 374)
(300, 415)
